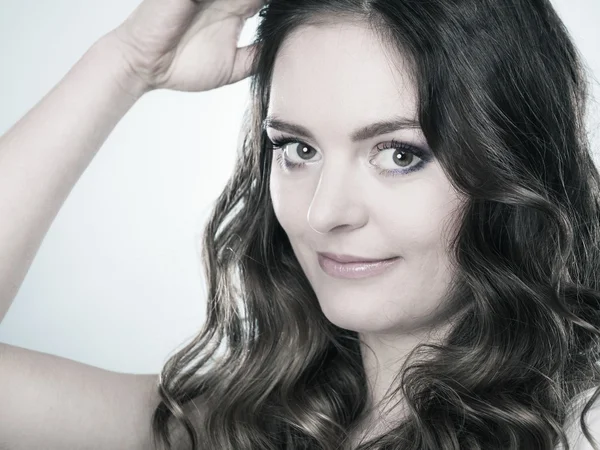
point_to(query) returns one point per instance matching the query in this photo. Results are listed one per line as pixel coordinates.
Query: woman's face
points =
(357, 193)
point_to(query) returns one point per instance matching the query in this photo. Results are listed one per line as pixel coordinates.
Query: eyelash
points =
(278, 144)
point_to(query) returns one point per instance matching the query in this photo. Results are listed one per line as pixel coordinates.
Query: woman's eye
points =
(293, 153)
(299, 153)
(397, 158)
(392, 158)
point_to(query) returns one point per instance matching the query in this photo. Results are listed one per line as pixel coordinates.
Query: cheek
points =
(289, 203)
(409, 213)
(419, 218)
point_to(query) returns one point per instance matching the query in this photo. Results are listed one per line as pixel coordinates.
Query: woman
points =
(404, 258)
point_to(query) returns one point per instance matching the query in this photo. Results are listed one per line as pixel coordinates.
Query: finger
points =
(253, 7)
(243, 64)
(240, 8)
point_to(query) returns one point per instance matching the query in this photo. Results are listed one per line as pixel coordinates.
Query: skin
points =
(332, 80)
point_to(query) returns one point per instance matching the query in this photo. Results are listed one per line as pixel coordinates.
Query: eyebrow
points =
(361, 134)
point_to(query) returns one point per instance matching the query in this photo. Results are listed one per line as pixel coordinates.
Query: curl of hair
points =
(501, 101)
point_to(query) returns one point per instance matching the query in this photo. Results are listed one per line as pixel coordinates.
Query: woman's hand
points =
(186, 45)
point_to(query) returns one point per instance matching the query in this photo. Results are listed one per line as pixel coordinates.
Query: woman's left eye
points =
(403, 159)
(400, 160)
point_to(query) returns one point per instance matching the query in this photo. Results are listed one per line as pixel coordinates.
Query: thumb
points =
(243, 62)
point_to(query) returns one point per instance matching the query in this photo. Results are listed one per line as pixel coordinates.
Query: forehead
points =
(339, 74)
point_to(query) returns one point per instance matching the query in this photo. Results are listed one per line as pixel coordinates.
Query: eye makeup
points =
(402, 152)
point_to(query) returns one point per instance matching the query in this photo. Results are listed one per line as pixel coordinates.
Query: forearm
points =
(43, 155)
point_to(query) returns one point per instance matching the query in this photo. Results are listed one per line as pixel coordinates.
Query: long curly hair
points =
(502, 102)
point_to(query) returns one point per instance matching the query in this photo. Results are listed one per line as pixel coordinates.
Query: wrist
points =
(108, 50)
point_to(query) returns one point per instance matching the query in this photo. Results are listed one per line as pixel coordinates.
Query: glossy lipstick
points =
(355, 269)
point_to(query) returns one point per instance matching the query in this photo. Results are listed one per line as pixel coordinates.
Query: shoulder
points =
(52, 402)
(577, 440)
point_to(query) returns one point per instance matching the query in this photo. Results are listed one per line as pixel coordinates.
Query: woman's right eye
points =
(294, 155)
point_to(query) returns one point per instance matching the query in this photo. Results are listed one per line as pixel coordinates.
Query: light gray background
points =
(117, 282)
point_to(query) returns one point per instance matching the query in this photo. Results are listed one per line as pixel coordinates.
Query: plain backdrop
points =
(117, 282)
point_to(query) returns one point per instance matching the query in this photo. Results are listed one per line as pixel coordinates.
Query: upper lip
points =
(350, 258)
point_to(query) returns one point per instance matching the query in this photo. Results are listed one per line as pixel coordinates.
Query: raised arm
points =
(177, 44)
(45, 153)
(48, 402)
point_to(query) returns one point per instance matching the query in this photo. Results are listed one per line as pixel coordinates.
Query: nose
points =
(338, 201)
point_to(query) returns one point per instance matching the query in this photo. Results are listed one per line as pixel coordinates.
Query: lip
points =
(354, 270)
(350, 258)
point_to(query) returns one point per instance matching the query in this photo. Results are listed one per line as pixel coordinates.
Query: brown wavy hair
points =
(501, 101)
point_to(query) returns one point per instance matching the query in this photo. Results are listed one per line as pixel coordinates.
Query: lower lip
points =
(355, 269)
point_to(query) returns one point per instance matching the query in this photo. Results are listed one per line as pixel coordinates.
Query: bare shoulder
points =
(577, 440)
(53, 403)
